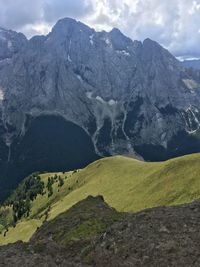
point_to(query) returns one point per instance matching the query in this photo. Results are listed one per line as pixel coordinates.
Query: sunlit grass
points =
(126, 184)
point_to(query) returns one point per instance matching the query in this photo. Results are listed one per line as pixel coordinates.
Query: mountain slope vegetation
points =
(91, 233)
(126, 184)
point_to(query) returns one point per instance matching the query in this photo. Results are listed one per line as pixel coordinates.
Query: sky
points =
(175, 24)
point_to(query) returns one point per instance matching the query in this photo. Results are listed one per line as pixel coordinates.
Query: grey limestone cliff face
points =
(129, 97)
(11, 42)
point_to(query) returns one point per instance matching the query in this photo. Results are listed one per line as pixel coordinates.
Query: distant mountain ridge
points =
(120, 96)
(195, 63)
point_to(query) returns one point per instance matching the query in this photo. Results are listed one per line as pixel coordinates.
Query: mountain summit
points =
(76, 94)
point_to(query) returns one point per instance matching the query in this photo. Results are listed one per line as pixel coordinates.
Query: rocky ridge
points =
(93, 234)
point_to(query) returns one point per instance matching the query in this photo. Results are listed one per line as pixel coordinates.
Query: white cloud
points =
(38, 16)
(54, 9)
(16, 14)
(173, 23)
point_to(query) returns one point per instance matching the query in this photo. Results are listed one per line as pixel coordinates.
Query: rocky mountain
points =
(11, 42)
(93, 234)
(76, 94)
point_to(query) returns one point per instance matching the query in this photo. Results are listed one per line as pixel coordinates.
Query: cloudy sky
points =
(173, 23)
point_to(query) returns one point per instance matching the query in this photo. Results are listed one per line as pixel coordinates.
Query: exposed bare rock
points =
(93, 234)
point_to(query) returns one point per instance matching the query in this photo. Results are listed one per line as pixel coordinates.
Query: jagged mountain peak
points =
(159, 57)
(11, 34)
(119, 40)
(67, 26)
(11, 42)
(115, 32)
(154, 47)
(149, 41)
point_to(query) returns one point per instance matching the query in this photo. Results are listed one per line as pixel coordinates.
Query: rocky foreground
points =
(93, 234)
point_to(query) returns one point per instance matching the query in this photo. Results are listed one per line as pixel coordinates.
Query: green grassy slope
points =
(126, 184)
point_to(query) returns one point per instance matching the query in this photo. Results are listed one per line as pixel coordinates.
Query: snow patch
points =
(123, 52)
(192, 132)
(1, 95)
(192, 117)
(69, 58)
(91, 39)
(79, 77)
(191, 84)
(100, 99)
(89, 95)
(195, 117)
(107, 41)
(9, 44)
(112, 102)
(69, 49)
(5, 60)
